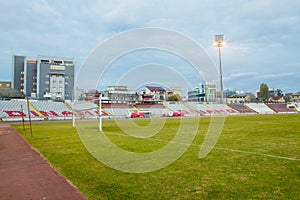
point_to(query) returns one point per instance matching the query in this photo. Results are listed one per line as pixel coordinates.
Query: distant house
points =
(5, 84)
(119, 94)
(92, 95)
(173, 91)
(147, 98)
(158, 93)
(10, 93)
(6, 92)
(273, 92)
(237, 98)
(277, 99)
(295, 97)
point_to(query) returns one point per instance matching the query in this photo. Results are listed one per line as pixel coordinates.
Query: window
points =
(22, 72)
(53, 88)
(47, 75)
(47, 82)
(60, 89)
(66, 83)
(44, 61)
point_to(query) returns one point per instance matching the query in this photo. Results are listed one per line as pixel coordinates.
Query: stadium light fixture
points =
(219, 42)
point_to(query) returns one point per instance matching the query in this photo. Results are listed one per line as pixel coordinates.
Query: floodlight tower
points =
(219, 42)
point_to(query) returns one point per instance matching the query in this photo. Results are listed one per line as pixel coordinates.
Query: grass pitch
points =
(256, 157)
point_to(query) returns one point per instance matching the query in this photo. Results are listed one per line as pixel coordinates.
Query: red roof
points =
(91, 98)
(94, 92)
(154, 88)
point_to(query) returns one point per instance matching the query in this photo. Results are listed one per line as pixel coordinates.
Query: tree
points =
(264, 91)
(175, 97)
(287, 99)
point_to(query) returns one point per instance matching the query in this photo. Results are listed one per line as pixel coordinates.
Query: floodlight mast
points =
(219, 42)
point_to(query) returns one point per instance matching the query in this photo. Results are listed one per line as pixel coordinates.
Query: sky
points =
(261, 39)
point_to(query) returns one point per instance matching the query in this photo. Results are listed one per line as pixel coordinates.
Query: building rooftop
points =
(93, 91)
(237, 95)
(155, 88)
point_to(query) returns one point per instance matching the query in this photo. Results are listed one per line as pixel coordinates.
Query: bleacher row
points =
(40, 110)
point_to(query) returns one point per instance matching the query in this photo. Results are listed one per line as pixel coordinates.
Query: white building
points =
(157, 93)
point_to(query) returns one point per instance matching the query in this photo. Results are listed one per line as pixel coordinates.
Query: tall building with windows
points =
(210, 91)
(197, 95)
(206, 92)
(47, 77)
(18, 64)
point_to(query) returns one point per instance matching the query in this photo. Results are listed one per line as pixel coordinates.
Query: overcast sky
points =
(262, 36)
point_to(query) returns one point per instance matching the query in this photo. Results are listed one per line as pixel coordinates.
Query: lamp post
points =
(219, 42)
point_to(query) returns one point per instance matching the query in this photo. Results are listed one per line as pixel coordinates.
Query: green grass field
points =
(256, 157)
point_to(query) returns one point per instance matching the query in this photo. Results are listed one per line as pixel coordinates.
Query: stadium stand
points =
(281, 108)
(179, 106)
(260, 108)
(297, 107)
(83, 105)
(218, 109)
(86, 109)
(118, 110)
(51, 110)
(242, 108)
(14, 110)
(156, 110)
(198, 108)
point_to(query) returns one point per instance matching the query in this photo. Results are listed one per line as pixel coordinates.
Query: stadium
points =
(150, 143)
(149, 100)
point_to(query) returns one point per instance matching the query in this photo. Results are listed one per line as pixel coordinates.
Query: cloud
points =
(279, 75)
(262, 37)
(240, 76)
(254, 75)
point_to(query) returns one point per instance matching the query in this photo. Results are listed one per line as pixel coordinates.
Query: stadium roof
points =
(154, 88)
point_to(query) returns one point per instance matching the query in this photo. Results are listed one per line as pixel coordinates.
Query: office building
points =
(204, 93)
(47, 77)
